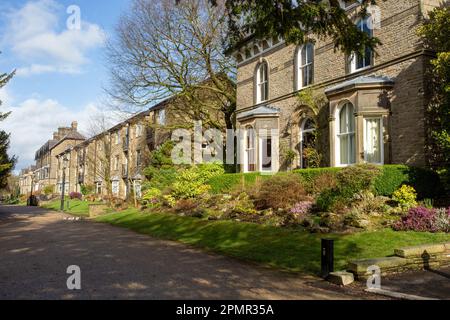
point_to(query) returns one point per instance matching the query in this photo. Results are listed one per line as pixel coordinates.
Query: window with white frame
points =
(138, 158)
(116, 163)
(262, 83)
(373, 140)
(138, 130)
(115, 187)
(117, 137)
(266, 153)
(359, 61)
(98, 187)
(305, 63)
(138, 189)
(162, 117)
(250, 152)
(346, 135)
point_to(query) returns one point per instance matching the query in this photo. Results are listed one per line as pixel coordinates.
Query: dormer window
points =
(305, 66)
(262, 83)
(360, 61)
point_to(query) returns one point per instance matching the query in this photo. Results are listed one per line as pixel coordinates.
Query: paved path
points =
(37, 246)
(431, 283)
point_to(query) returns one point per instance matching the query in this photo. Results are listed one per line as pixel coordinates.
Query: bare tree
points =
(163, 49)
(98, 151)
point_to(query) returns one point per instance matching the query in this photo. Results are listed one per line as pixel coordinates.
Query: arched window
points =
(250, 152)
(262, 83)
(346, 135)
(305, 66)
(360, 61)
(307, 139)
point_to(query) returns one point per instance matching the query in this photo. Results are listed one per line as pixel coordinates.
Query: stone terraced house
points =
(113, 160)
(44, 172)
(352, 109)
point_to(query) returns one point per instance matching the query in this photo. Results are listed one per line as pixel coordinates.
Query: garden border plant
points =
(425, 181)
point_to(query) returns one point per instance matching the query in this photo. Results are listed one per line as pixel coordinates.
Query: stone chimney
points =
(74, 126)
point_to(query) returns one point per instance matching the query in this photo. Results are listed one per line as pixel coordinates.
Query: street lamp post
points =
(63, 187)
(30, 200)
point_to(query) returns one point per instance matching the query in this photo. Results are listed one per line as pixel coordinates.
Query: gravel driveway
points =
(37, 246)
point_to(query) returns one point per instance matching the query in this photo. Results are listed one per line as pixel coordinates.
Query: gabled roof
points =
(360, 82)
(73, 135)
(263, 110)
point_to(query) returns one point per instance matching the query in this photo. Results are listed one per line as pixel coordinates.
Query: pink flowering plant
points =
(75, 195)
(424, 220)
(302, 208)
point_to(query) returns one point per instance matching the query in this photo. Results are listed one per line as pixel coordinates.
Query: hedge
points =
(392, 177)
(425, 181)
(226, 182)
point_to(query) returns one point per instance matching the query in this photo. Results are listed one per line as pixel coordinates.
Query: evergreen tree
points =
(435, 35)
(6, 162)
(296, 21)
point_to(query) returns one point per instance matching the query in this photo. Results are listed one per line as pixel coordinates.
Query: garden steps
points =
(405, 259)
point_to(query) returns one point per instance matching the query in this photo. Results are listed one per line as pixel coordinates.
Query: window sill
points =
(360, 70)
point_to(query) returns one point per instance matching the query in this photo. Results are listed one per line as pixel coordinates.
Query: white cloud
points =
(33, 34)
(33, 122)
(36, 69)
(5, 98)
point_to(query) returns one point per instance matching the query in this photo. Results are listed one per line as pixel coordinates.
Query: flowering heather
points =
(75, 195)
(424, 219)
(442, 221)
(302, 208)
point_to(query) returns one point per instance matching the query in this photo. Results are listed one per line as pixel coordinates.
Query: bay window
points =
(346, 135)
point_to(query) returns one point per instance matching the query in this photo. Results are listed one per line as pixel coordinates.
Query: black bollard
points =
(327, 257)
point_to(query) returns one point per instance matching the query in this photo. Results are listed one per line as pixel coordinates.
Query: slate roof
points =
(363, 80)
(264, 110)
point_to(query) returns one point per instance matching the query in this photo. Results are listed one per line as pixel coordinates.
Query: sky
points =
(61, 71)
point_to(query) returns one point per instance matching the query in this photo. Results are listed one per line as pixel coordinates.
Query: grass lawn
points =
(288, 249)
(76, 207)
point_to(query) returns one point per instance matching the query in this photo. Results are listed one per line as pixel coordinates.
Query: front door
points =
(266, 154)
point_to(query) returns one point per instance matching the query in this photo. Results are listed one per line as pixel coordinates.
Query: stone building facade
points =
(26, 180)
(112, 161)
(361, 108)
(44, 172)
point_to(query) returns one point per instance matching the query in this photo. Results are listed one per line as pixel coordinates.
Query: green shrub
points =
(192, 182)
(152, 196)
(392, 177)
(308, 175)
(354, 179)
(350, 181)
(227, 182)
(48, 190)
(322, 182)
(160, 178)
(326, 199)
(280, 191)
(425, 181)
(312, 157)
(87, 189)
(162, 156)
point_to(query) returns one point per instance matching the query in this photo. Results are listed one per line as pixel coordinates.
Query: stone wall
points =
(405, 259)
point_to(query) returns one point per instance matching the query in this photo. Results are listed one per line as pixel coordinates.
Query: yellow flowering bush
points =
(406, 196)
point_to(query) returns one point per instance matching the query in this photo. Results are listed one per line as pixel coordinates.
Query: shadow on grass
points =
(289, 249)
